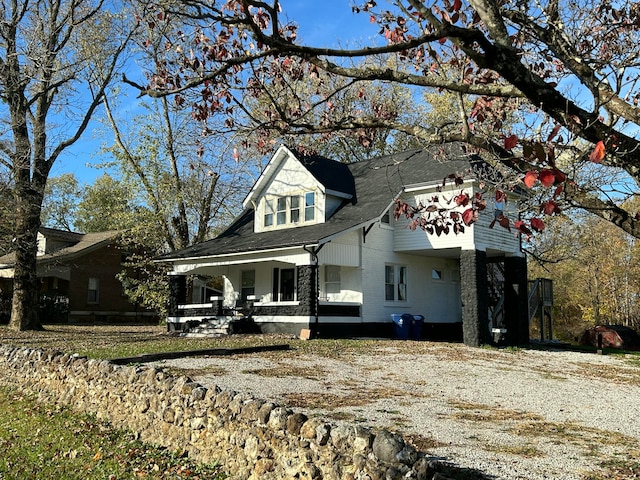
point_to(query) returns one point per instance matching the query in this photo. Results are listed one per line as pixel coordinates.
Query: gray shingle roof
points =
(85, 243)
(377, 183)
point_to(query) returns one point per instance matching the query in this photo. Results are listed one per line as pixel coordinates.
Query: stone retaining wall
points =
(250, 437)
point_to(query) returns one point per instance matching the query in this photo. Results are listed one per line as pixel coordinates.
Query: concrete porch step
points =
(212, 327)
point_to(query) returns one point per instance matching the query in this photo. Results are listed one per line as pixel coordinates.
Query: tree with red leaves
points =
(568, 75)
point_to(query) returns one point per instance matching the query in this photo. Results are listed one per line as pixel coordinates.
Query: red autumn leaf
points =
(537, 224)
(504, 222)
(469, 216)
(457, 5)
(462, 199)
(510, 142)
(530, 178)
(554, 132)
(560, 176)
(550, 207)
(559, 190)
(547, 177)
(522, 227)
(598, 152)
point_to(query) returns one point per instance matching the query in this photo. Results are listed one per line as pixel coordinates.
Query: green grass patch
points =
(615, 469)
(43, 441)
(124, 341)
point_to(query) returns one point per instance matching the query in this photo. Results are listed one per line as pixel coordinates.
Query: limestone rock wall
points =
(251, 438)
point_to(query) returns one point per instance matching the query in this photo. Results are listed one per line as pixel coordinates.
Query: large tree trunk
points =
(26, 285)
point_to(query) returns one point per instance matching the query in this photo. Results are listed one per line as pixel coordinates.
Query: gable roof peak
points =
(333, 176)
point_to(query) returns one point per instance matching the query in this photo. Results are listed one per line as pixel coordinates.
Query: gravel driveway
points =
(509, 414)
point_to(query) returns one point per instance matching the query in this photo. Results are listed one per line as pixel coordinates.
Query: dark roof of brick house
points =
(83, 243)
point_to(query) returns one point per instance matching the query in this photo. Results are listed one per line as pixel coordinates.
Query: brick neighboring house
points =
(78, 279)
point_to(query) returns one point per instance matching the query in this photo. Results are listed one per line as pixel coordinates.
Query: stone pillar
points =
(177, 293)
(475, 297)
(307, 289)
(516, 308)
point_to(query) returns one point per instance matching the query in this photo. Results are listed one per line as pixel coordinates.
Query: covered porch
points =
(283, 292)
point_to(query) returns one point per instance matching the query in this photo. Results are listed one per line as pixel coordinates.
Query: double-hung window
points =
(309, 206)
(289, 209)
(268, 213)
(294, 210)
(395, 283)
(93, 290)
(281, 210)
(331, 279)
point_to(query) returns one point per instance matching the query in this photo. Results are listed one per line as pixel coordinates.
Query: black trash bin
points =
(415, 330)
(402, 324)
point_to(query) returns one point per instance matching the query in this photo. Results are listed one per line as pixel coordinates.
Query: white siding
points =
(290, 178)
(437, 301)
(497, 238)
(477, 236)
(350, 286)
(219, 264)
(344, 250)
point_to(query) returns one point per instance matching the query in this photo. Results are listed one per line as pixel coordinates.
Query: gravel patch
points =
(510, 414)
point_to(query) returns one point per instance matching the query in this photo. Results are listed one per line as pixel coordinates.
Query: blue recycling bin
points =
(415, 329)
(402, 324)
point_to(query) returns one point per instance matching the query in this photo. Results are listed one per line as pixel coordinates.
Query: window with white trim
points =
(309, 206)
(331, 279)
(248, 284)
(284, 284)
(289, 210)
(281, 210)
(395, 283)
(294, 209)
(268, 213)
(93, 290)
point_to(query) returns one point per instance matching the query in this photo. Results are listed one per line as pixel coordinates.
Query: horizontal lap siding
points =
(476, 237)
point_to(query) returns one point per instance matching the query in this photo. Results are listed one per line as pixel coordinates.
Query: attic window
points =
(295, 209)
(268, 213)
(289, 209)
(309, 206)
(281, 212)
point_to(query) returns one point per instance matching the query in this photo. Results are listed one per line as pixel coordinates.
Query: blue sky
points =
(327, 23)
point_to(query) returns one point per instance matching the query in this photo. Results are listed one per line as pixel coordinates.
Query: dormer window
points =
(295, 209)
(289, 210)
(268, 213)
(281, 212)
(309, 206)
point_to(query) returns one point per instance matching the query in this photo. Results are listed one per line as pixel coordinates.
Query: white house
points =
(317, 248)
